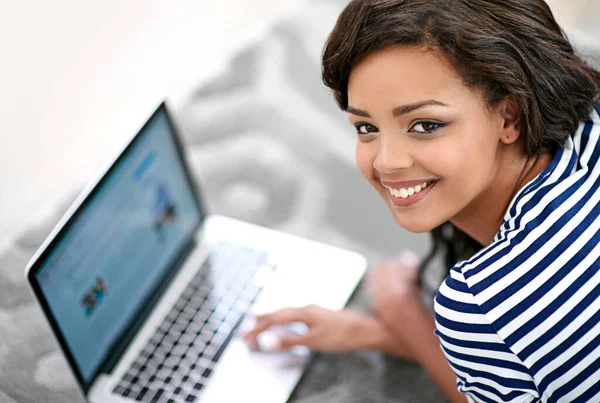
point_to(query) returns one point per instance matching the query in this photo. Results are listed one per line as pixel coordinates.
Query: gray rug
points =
(264, 131)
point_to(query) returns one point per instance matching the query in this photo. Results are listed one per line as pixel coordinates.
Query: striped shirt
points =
(520, 320)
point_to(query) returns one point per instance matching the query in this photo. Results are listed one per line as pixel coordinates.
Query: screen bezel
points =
(78, 207)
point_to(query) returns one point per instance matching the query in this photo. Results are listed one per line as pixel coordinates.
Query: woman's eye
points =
(426, 127)
(365, 129)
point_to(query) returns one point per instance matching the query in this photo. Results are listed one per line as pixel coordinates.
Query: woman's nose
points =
(392, 155)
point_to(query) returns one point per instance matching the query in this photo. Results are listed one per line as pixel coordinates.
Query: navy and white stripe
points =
(520, 320)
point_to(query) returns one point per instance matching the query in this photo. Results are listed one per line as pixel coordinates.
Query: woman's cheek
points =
(364, 160)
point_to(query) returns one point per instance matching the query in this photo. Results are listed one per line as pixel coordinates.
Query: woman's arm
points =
(401, 326)
(411, 335)
(347, 330)
(382, 338)
(397, 305)
(331, 331)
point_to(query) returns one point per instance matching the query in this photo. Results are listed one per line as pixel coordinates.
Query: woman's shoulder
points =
(547, 253)
(551, 218)
(573, 171)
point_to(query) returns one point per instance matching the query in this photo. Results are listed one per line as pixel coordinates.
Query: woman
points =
(475, 121)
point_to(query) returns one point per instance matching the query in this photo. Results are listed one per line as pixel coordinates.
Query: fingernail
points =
(268, 342)
(408, 258)
(259, 311)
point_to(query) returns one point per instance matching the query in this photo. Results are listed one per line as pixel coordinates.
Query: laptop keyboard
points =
(181, 355)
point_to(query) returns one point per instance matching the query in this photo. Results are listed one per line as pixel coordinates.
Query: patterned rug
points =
(266, 132)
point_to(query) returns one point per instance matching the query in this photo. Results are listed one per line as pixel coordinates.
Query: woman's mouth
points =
(408, 195)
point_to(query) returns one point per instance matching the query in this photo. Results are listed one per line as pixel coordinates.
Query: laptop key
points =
(197, 330)
(142, 393)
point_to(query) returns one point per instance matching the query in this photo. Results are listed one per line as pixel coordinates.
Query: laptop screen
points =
(120, 245)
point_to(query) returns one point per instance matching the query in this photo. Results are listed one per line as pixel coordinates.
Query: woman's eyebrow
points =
(357, 112)
(403, 110)
(399, 110)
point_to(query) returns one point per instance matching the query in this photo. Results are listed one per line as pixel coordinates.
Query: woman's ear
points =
(511, 117)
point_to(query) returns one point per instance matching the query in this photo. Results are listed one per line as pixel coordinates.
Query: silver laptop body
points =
(146, 293)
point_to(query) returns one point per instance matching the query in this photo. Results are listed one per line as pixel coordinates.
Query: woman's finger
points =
(280, 317)
(250, 335)
(408, 258)
(287, 342)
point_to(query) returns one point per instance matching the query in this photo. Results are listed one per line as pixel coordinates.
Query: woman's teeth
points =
(405, 192)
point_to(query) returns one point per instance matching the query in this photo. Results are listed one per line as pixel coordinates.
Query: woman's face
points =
(427, 143)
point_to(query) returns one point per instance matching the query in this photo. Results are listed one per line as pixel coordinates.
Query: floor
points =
(293, 179)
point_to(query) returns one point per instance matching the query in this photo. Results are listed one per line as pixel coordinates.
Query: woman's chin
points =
(411, 223)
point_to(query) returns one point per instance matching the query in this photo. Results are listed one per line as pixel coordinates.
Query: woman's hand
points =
(328, 331)
(393, 286)
(397, 304)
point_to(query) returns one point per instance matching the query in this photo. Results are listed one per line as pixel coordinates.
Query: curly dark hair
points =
(503, 48)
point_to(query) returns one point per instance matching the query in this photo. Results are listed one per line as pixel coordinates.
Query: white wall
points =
(78, 77)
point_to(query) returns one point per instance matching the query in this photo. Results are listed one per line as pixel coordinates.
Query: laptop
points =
(146, 292)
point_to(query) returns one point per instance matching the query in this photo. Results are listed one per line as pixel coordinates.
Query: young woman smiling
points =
(475, 121)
